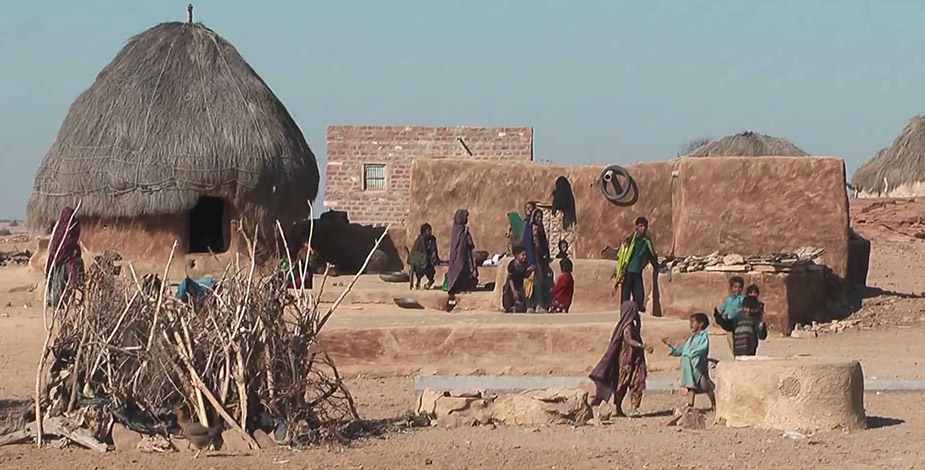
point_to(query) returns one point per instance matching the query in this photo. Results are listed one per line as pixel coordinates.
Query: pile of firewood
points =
(243, 357)
(15, 257)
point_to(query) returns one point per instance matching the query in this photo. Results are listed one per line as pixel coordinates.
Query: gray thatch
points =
(748, 144)
(903, 162)
(177, 114)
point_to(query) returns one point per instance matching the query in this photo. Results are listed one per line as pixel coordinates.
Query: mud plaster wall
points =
(146, 243)
(490, 190)
(762, 206)
(349, 148)
(750, 206)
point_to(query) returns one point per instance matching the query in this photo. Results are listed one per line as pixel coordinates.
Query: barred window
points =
(373, 177)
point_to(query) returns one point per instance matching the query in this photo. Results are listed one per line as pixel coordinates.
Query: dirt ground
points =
(889, 340)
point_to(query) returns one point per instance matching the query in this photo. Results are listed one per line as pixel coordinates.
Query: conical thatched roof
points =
(176, 115)
(901, 163)
(748, 144)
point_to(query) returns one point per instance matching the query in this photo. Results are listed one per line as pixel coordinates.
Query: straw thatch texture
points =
(748, 144)
(902, 163)
(176, 115)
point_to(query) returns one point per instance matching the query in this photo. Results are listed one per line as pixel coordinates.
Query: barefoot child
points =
(564, 289)
(747, 330)
(695, 376)
(731, 308)
(752, 291)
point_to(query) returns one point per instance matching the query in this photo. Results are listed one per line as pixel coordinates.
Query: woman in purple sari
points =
(64, 265)
(623, 367)
(463, 275)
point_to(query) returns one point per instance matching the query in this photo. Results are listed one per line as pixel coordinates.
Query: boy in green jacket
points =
(635, 252)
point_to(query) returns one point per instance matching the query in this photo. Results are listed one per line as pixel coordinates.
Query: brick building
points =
(369, 167)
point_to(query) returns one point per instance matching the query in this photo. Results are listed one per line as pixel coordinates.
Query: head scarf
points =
(460, 249)
(64, 246)
(564, 200)
(606, 374)
(418, 255)
(528, 240)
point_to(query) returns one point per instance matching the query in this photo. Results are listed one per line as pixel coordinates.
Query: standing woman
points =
(64, 265)
(424, 257)
(463, 275)
(622, 369)
(537, 245)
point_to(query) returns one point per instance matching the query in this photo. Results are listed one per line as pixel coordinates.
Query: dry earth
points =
(888, 340)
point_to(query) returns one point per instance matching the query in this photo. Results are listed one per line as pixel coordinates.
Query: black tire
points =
(608, 176)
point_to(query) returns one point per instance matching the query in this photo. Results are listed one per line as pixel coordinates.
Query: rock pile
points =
(802, 259)
(534, 408)
(899, 216)
(15, 257)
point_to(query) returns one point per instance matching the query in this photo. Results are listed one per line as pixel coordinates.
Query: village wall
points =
(350, 148)
(696, 206)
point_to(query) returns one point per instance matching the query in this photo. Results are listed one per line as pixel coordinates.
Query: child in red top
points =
(564, 289)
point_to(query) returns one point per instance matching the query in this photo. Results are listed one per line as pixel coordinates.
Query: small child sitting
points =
(695, 373)
(747, 330)
(564, 289)
(514, 295)
(752, 291)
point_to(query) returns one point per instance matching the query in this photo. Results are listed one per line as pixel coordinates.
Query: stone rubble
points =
(800, 260)
(453, 409)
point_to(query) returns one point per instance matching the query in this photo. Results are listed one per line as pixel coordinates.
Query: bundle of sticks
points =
(243, 357)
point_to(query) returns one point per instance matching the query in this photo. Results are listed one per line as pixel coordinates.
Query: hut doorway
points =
(207, 226)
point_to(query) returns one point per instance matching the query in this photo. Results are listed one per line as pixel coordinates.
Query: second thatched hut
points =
(748, 144)
(897, 170)
(178, 139)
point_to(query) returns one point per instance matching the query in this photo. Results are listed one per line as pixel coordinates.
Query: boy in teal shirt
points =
(695, 374)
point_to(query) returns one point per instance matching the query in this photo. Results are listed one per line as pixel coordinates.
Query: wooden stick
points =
(76, 372)
(199, 384)
(353, 281)
(203, 417)
(160, 295)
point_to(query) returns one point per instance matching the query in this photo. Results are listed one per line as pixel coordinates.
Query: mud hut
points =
(897, 170)
(748, 144)
(178, 138)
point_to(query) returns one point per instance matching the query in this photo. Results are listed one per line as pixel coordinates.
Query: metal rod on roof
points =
(463, 142)
(189, 13)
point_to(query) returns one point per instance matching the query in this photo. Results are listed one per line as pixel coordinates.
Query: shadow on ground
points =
(876, 422)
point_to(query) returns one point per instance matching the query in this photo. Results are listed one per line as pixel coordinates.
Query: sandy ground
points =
(888, 341)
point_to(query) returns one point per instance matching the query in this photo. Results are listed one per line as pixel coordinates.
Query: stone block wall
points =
(351, 148)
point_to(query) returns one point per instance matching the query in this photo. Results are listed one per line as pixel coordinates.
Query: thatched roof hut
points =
(897, 170)
(748, 144)
(177, 117)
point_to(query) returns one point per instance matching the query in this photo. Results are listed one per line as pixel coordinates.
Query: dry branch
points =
(241, 353)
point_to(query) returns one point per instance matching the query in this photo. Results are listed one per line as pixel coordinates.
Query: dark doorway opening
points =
(207, 226)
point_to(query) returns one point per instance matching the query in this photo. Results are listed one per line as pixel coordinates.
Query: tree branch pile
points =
(243, 356)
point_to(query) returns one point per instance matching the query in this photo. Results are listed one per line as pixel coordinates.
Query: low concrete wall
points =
(499, 348)
(789, 298)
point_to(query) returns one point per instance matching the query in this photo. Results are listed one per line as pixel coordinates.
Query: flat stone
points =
(733, 259)
(427, 403)
(234, 441)
(124, 438)
(264, 440)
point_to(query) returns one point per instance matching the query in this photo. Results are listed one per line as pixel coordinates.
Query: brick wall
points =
(352, 147)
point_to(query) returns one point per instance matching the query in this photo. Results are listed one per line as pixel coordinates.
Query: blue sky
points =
(600, 81)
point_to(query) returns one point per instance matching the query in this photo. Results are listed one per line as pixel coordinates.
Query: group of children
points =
(518, 285)
(741, 316)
